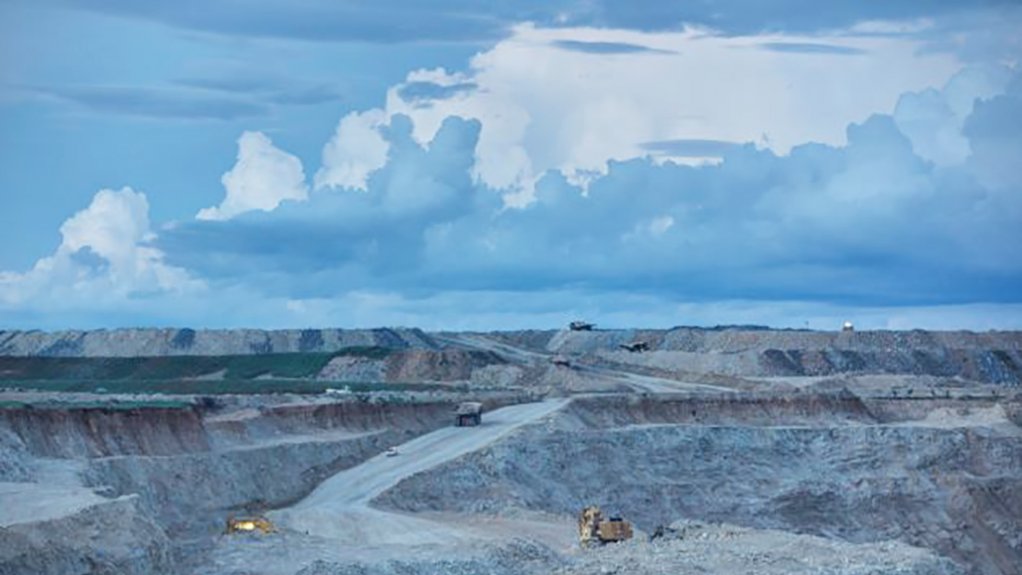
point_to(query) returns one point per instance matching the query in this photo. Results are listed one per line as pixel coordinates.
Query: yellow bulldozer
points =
(249, 525)
(594, 529)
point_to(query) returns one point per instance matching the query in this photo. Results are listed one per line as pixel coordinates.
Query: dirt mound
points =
(694, 547)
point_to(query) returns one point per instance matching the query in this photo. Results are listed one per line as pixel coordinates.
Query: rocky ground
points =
(752, 451)
(696, 547)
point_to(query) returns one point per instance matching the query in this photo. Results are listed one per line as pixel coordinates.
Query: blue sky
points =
(451, 164)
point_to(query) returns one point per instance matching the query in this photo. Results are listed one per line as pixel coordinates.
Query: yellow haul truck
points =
(595, 529)
(469, 413)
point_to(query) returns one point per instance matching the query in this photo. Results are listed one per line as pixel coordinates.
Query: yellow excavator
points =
(249, 525)
(594, 529)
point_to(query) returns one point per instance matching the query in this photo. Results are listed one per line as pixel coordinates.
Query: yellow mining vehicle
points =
(594, 529)
(635, 346)
(249, 525)
(560, 361)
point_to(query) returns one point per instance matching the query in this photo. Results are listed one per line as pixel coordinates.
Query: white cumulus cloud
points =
(263, 177)
(547, 101)
(103, 256)
(933, 119)
(356, 150)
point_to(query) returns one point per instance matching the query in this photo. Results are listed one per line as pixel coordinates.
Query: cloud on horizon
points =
(103, 260)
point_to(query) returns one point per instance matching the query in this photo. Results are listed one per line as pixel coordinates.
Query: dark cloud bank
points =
(468, 20)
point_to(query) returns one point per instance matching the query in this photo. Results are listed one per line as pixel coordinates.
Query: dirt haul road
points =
(637, 382)
(340, 507)
(649, 383)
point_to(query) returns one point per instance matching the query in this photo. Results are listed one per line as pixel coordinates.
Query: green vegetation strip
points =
(215, 387)
(119, 405)
(279, 365)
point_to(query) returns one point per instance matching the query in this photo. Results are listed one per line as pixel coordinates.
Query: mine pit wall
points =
(824, 409)
(957, 491)
(190, 470)
(100, 432)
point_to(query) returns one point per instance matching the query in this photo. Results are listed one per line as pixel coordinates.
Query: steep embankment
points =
(816, 465)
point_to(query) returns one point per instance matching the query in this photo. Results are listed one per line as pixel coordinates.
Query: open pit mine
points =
(730, 450)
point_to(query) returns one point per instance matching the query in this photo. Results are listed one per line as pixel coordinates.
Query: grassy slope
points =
(267, 373)
(278, 365)
(213, 387)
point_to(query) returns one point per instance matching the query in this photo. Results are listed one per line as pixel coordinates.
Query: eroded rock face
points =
(956, 490)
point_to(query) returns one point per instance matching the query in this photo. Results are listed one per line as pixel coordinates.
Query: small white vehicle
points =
(392, 452)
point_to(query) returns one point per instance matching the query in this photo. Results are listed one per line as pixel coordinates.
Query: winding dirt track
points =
(340, 507)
